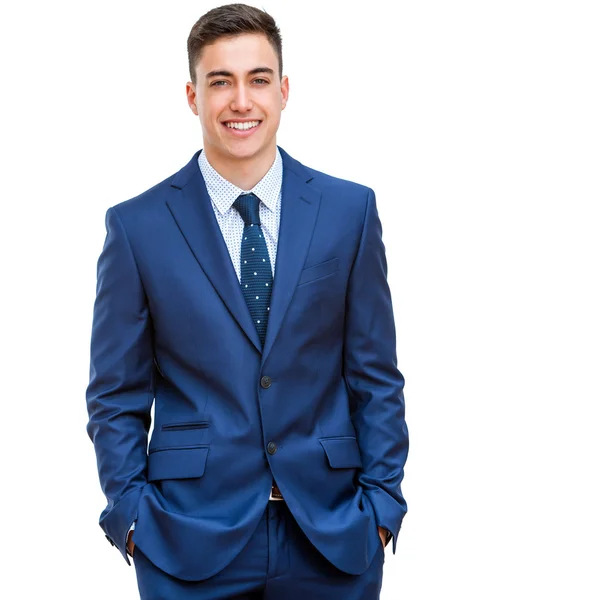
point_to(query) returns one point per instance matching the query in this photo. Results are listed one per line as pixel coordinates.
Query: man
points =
(246, 296)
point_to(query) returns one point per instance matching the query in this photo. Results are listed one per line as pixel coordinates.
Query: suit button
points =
(271, 447)
(265, 382)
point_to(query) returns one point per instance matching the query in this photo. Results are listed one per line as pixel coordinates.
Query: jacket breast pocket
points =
(324, 269)
(177, 463)
(342, 452)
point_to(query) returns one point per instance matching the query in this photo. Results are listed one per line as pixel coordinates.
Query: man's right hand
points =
(130, 543)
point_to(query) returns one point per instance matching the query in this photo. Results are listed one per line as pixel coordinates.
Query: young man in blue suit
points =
(246, 296)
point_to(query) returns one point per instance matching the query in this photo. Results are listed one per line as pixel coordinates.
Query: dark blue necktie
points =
(257, 277)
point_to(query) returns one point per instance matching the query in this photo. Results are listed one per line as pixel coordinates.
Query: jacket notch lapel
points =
(299, 209)
(192, 210)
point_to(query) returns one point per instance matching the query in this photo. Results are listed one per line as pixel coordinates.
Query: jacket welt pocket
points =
(319, 271)
(185, 426)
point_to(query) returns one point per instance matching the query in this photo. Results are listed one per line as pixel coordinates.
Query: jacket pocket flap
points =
(342, 452)
(177, 463)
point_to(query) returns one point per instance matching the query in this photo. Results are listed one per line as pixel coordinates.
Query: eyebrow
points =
(224, 73)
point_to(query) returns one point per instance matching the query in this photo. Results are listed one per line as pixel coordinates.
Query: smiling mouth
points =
(245, 126)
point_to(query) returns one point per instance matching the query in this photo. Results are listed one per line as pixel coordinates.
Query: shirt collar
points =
(224, 193)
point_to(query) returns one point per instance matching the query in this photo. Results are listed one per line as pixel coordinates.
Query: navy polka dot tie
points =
(257, 278)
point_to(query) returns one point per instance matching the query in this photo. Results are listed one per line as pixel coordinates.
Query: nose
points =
(241, 101)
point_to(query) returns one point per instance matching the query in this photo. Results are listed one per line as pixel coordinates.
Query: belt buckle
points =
(275, 493)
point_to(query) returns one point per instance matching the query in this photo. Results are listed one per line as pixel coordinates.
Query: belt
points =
(275, 493)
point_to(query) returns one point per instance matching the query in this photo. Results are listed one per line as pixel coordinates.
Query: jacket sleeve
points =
(373, 380)
(120, 391)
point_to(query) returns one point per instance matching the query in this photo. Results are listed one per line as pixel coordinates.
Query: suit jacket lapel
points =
(191, 208)
(299, 208)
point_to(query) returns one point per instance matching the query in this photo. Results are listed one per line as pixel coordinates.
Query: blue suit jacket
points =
(171, 326)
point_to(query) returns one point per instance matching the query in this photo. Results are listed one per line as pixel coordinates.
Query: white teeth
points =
(242, 126)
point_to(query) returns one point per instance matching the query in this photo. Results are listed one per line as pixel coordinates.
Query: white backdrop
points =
(477, 125)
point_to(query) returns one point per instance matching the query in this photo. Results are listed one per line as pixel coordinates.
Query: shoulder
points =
(149, 199)
(334, 190)
(331, 183)
(152, 200)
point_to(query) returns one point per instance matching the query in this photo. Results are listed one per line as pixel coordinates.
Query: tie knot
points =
(247, 206)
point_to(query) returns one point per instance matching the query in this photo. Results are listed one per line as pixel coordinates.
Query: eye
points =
(260, 80)
(218, 83)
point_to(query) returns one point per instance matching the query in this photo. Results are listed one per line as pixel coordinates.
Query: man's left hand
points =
(382, 535)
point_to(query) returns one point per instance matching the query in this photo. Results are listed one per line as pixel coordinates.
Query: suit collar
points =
(191, 169)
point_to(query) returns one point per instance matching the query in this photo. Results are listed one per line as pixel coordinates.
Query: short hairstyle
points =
(229, 21)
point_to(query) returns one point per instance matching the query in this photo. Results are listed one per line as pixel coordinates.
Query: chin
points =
(245, 151)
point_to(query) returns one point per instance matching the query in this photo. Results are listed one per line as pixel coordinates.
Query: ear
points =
(190, 90)
(285, 91)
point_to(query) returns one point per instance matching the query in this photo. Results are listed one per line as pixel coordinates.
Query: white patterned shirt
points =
(223, 194)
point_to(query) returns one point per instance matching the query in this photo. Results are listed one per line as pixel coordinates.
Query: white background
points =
(476, 123)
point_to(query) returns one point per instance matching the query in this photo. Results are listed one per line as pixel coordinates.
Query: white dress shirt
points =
(223, 194)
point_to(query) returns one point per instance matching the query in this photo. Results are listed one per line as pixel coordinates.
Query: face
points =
(238, 97)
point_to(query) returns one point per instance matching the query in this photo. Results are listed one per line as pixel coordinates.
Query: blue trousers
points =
(278, 562)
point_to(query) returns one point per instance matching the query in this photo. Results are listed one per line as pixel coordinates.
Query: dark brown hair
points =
(228, 21)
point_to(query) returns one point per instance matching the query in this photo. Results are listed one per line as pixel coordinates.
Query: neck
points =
(245, 173)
